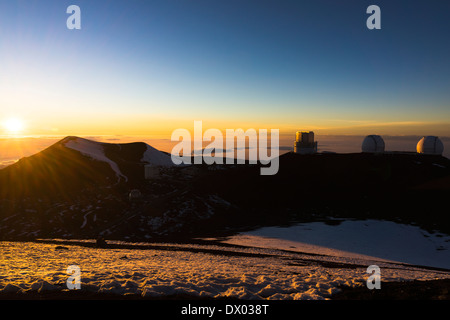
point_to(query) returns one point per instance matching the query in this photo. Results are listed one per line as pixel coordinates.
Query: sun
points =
(13, 125)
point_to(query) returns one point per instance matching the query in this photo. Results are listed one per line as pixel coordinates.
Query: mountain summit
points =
(79, 188)
(73, 164)
(74, 187)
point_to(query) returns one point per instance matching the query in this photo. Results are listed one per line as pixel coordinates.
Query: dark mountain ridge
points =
(79, 188)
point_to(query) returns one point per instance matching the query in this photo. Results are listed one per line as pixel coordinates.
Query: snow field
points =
(385, 240)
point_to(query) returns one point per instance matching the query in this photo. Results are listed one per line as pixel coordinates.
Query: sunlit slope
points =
(75, 165)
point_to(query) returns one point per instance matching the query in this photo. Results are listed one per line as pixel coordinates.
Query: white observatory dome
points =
(430, 145)
(373, 143)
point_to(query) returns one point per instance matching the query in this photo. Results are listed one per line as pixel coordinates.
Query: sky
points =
(144, 67)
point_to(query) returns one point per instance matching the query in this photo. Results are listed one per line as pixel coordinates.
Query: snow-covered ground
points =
(206, 270)
(380, 239)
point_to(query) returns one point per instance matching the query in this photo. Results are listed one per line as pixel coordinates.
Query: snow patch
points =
(95, 151)
(366, 239)
(85, 219)
(157, 158)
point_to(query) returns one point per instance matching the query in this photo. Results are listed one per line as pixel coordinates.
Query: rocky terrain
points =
(79, 188)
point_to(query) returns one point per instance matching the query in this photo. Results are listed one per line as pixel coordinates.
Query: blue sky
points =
(281, 63)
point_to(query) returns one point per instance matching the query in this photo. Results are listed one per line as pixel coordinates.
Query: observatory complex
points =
(428, 145)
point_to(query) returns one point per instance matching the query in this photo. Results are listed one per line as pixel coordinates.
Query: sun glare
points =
(13, 125)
